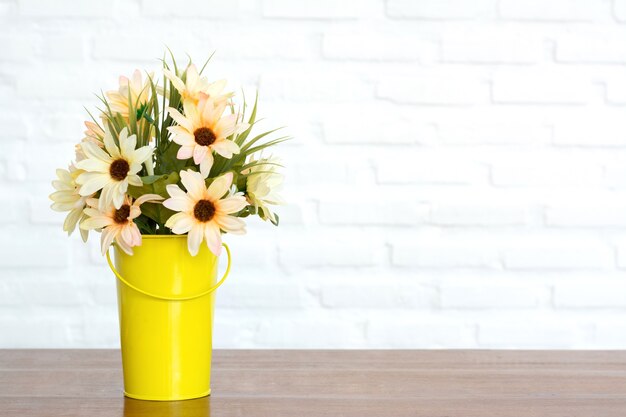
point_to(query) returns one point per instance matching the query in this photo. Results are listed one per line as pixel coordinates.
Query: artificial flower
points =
(67, 198)
(203, 130)
(195, 87)
(111, 172)
(93, 134)
(203, 211)
(262, 186)
(134, 90)
(117, 223)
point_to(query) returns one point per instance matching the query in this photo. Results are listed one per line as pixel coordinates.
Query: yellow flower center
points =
(119, 169)
(204, 210)
(121, 214)
(204, 136)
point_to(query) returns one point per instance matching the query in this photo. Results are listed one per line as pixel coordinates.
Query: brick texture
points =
(457, 177)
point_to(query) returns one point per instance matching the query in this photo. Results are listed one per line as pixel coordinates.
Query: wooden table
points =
(321, 383)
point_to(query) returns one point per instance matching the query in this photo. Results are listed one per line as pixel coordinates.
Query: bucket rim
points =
(164, 236)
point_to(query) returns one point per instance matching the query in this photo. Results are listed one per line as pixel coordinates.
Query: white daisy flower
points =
(67, 198)
(135, 89)
(111, 172)
(203, 130)
(262, 186)
(204, 212)
(117, 223)
(194, 86)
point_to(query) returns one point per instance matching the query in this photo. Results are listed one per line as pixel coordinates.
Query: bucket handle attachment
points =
(160, 297)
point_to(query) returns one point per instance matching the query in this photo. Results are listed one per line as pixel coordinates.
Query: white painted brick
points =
(621, 255)
(527, 333)
(13, 210)
(101, 330)
(619, 10)
(143, 48)
(565, 254)
(265, 294)
(385, 295)
(442, 9)
(63, 47)
(493, 133)
(454, 168)
(592, 46)
(322, 9)
(379, 47)
(64, 84)
(234, 333)
(35, 332)
(601, 294)
(429, 170)
(308, 334)
(52, 293)
(65, 8)
(596, 131)
(377, 212)
(317, 86)
(543, 174)
(481, 295)
(616, 90)
(192, 8)
(476, 45)
(616, 175)
(19, 47)
(430, 332)
(266, 46)
(449, 253)
(433, 88)
(14, 126)
(541, 87)
(578, 214)
(337, 251)
(19, 250)
(386, 125)
(575, 10)
(611, 334)
(494, 214)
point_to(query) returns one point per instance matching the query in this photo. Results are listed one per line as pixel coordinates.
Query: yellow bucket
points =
(165, 301)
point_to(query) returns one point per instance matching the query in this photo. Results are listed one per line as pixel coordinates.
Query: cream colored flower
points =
(203, 212)
(262, 186)
(111, 172)
(93, 134)
(203, 130)
(135, 89)
(117, 223)
(67, 198)
(195, 87)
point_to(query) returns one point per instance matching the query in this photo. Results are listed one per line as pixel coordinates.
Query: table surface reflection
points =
(319, 383)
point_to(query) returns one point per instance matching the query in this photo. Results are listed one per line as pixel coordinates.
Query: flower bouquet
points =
(163, 167)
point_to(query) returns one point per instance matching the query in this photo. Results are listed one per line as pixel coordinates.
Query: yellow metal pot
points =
(165, 302)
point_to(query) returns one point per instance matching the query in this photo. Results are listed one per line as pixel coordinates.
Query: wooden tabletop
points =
(321, 383)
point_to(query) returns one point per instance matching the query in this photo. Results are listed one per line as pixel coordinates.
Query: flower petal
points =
(199, 152)
(179, 204)
(180, 223)
(194, 184)
(231, 224)
(93, 183)
(231, 204)
(185, 152)
(213, 238)
(194, 239)
(220, 186)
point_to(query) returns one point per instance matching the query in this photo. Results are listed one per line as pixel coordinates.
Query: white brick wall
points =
(457, 180)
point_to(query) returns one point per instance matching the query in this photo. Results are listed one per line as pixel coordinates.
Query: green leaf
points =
(155, 184)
